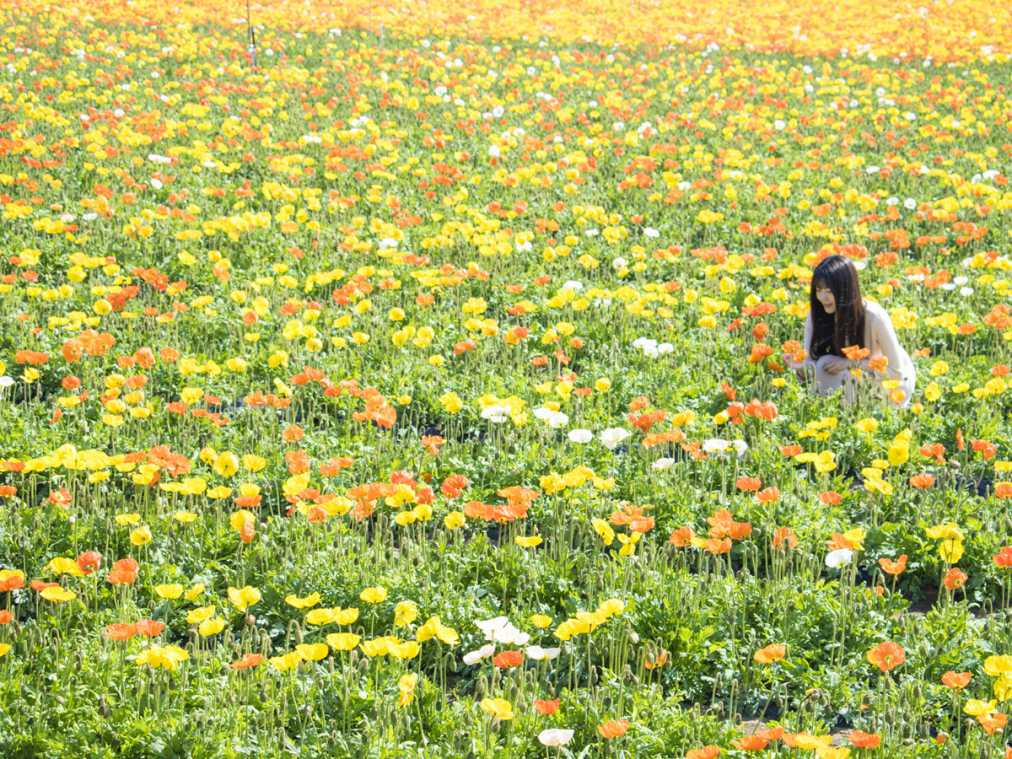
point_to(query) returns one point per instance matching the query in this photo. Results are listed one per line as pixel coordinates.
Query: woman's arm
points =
(885, 336)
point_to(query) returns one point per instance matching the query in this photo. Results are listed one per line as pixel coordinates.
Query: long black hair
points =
(831, 333)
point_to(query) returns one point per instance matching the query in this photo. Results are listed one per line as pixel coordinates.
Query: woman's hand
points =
(835, 364)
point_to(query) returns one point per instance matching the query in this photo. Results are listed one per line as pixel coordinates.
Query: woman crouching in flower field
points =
(848, 338)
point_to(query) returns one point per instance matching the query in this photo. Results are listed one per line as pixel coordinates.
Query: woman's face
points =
(825, 296)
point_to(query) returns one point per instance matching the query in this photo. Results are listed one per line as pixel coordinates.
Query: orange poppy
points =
(784, 537)
(454, 485)
(748, 484)
(992, 722)
(150, 628)
(718, 546)
(682, 537)
(297, 461)
(13, 582)
(985, 448)
(249, 661)
(123, 572)
(332, 467)
(706, 752)
(838, 540)
(120, 631)
(292, 433)
(659, 661)
(431, 443)
(759, 352)
(860, 739)
(546, 707)
(894, 568)
(33, 358)
(855, 352)
(878, 363)
(612, 729)
(886, 655)
(956, 680)
(508, 659)
(770, 654)
(751, 743)
(954, 579)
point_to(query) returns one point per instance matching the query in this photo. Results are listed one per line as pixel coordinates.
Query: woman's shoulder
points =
(875, 310)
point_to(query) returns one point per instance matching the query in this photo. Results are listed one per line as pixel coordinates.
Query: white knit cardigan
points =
(879, 339)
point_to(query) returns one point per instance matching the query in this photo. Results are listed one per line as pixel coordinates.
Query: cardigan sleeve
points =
(899, 363)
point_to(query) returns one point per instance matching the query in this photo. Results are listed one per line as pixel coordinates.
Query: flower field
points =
(417, 383)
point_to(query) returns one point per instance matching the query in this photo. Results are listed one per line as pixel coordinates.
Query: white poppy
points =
(501, 630)
(580, 436)
(718, 445)
(473, 657)
(496, 414)
(558, 420)
(612, 436)
(555, 737)
(553, 419)
(490, 625)
(841, 557)
(662, 464)
(537, 653)
(648, 345)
